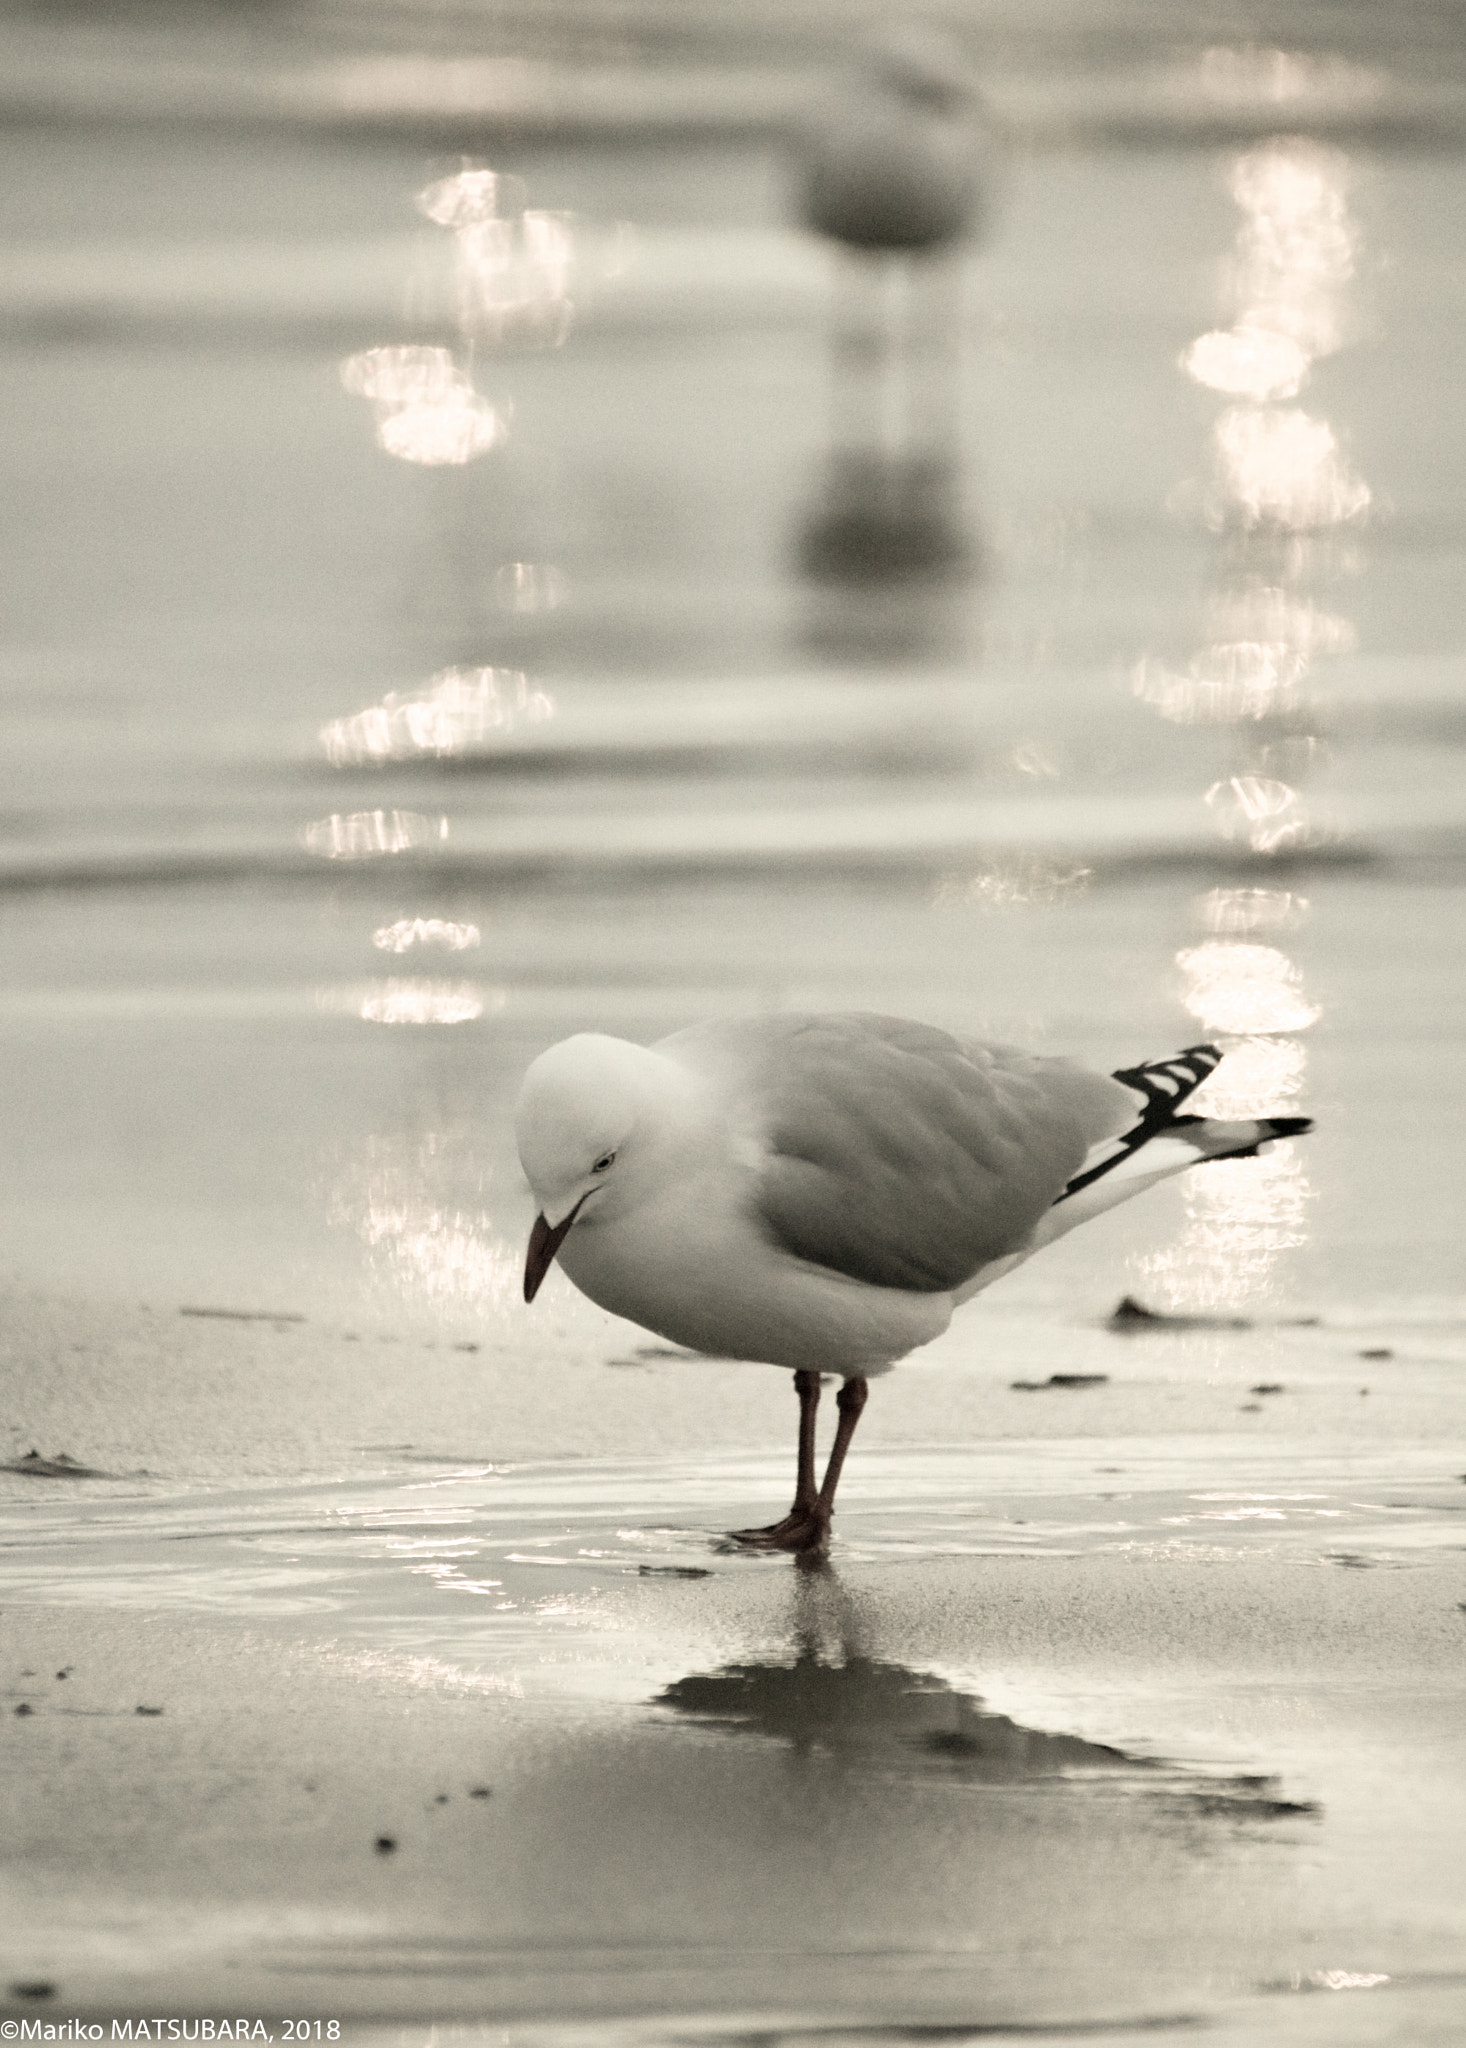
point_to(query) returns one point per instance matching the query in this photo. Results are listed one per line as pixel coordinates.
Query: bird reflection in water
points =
(831, 1698)
(865, 1707)
(891, 171)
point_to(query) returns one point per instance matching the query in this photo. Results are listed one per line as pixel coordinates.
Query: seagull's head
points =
(587, 1111)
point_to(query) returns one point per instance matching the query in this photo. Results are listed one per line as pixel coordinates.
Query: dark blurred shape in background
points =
(892, 170)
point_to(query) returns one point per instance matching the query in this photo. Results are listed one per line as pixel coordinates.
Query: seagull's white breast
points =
(695, 1266)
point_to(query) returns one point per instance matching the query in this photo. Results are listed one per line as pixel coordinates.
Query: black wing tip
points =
(1268, 1128)
(1287, 1126)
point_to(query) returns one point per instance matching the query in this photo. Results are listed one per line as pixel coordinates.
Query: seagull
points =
(822, 1191)
(892, 161)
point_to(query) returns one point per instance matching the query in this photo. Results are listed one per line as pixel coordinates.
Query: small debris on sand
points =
(152, 1712)
(25, 1708)
(479, 1792)
(33, 1989)
(246, 1315)
(384, 1845)
(1244, 1806)
(673, 1571)
(1378, 1351)
(1268, 1387)
(1132, 1315)
(465, 1347)
(1060, 1379)
(34, 1466)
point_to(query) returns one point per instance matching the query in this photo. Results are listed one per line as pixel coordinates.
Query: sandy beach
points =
(374, 1663)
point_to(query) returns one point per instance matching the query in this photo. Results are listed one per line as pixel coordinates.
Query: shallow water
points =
(1127, 1708)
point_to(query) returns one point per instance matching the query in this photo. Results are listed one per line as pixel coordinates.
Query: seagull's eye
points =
(606, 1161)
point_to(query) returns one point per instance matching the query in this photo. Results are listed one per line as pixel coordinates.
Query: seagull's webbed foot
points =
(802, 1529)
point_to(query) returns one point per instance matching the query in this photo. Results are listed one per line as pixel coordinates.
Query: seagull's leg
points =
(806, 1494)
(806, 1527)
(850, 1401)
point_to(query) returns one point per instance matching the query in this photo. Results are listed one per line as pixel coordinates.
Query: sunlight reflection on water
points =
(410, 1199)
(459, 710)
(359, 835)
(1278, 472)
(425, 931)
(427, 409)
(1241, 1214)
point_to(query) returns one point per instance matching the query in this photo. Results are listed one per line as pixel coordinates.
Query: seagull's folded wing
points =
(895, 1153)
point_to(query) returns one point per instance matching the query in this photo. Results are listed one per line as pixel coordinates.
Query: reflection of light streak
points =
(362, 834)
(1227, 682)
(405, 1200)
(1295, 252)
(448, 432)
(1286, 469)
(460, 708)
(1266, 612)
(1266, 640)
(425, 931)
(1256, 1076)
(1269, 815)
(515, 263)
(1250, 910)
(404, 999)
(1240, 1213)
(1023, 881)
(427, 410)
(1297, 246)
(471, 196)
(529, 586)
(1248, 362)
(1260, 77)
(1347, 1980)
(452, 1580)
(416, 1001)
(513, 279)
(402, 376)
(1243, 988)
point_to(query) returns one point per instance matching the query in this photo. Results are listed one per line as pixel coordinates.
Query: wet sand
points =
(1139, 1728)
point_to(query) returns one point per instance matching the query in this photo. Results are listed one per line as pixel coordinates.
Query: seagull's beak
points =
(544, 1241)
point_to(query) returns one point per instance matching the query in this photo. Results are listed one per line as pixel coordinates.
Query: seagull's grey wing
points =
(895, 1153)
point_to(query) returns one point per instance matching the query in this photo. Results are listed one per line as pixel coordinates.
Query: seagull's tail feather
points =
(1270, 1127)
(1163, 1085)
(1160, 1142)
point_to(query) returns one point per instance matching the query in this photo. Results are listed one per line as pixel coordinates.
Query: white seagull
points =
(822, 1191)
